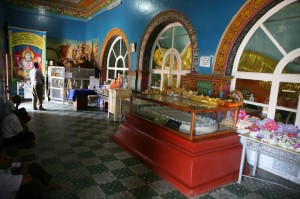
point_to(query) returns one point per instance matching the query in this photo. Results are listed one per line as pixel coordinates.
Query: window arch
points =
(117, 61)
(268, 60)
(111, 39)
(170, 57)
(147, 49)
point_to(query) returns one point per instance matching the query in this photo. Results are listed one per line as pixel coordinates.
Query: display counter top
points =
(182, 103)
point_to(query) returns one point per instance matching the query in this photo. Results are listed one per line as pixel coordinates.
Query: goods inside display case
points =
(192, 119)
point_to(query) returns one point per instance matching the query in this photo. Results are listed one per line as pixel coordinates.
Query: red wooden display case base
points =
(193, 167)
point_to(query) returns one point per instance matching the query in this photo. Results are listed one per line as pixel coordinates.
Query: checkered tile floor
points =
(75, 147)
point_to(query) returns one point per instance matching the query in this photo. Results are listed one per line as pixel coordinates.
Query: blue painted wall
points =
(55, 26)
(208, 17)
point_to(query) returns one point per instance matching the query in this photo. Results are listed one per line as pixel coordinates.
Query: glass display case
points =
(79, 78)
(188, 118)
(191, 144)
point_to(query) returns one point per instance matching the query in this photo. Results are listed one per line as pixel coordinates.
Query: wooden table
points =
(264, 148)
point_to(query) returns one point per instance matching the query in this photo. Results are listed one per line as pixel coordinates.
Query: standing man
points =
(37, 82)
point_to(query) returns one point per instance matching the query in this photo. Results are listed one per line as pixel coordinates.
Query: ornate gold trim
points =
(245, 14)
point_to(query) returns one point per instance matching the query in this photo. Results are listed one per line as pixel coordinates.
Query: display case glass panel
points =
(188, 118)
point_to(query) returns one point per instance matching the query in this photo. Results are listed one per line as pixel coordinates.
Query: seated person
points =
(21, 113)
(22, 180)
(13, 132)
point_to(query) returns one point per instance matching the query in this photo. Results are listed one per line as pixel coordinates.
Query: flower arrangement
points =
(267, 130)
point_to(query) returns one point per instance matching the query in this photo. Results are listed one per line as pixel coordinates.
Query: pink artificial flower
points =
(242, 114)
(270, 125)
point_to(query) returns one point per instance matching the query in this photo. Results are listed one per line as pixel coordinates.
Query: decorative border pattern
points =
(242, 18)
(244, 32)
(274, 152)
(106, 45)
(152, 30)
(90, 7)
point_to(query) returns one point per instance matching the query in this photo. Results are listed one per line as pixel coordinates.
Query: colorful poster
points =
(26, 47)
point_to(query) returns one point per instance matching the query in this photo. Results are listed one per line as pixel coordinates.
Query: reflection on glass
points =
(288, 95)
(155, 80)
(253, 61)
(117, 48)
(174, 81)
(112, 60)
(285, 117)
(285, 25)
(174, 47)
(293, 67)
(173, 63)
(168, 61)
(259, 89)
(186, 58)
(111, 74)
(158, 56)
(258, 111)
(165, 80)
(120, 63)
(124, 49)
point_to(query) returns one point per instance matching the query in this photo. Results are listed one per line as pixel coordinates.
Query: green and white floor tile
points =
(75, 147)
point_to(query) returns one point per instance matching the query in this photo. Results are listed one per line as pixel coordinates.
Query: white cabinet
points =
(57, 83)
(61, 79)
(114, 100)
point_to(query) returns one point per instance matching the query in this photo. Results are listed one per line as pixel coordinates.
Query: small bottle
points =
(125, 83)
(104, 85)
(251, 98)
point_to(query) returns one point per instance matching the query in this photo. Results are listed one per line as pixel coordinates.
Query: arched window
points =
(267, 65)
(117, 61)
(171, 57)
